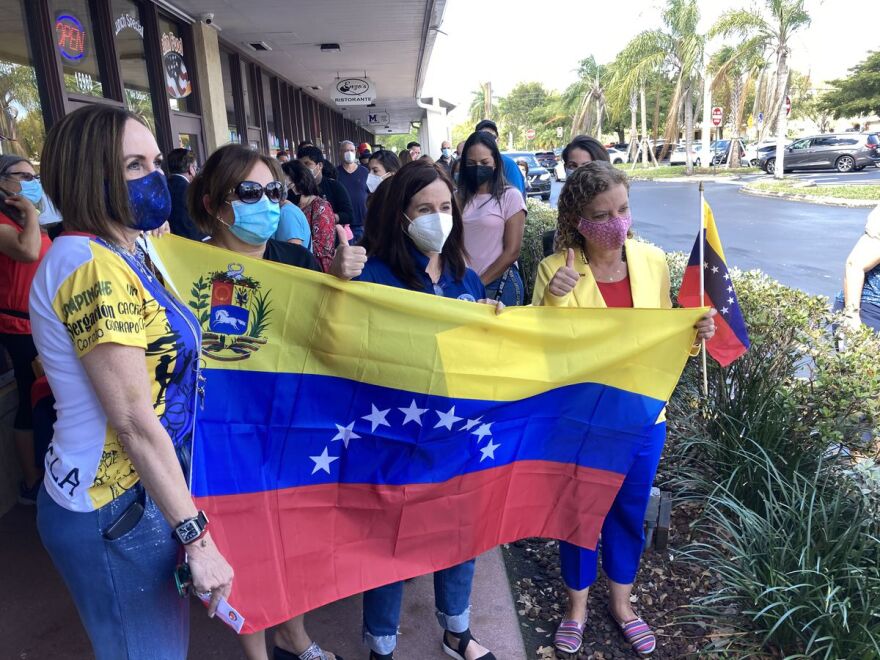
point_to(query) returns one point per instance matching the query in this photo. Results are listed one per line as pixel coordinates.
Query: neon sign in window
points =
(71, 37)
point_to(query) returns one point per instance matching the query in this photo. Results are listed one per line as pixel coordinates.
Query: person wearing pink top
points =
(494, 217)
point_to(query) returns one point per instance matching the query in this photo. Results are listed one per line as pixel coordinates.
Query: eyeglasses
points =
(22, 176)
(251, 192)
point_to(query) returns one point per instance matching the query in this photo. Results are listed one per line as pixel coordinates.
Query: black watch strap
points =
(191, 530)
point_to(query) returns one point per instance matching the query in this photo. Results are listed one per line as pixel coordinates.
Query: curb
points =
(688, 179)
(813, 199)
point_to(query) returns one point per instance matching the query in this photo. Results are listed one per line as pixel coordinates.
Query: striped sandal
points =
(569, 636)
(638, 635)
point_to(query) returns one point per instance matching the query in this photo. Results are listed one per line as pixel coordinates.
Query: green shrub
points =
(541, 218)
(801, 578)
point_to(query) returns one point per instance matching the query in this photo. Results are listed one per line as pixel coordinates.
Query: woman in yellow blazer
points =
(597, 264)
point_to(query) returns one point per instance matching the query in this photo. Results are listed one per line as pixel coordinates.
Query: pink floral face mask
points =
(607, 234)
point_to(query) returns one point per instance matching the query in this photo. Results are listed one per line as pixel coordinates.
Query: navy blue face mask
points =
(150, 201)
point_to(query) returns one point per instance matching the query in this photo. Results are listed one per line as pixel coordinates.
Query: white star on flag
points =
(413, 413)
(447, 419)
(706, 265)
(471, 423)
(345, 434)
(377, 417)
(714, 269)
(483, 431)
(323, 461)
(489, 451)
(730, 300)
(726, 276)
(724, 310)
(730, 289)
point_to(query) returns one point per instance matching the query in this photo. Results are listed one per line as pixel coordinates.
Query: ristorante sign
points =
(353, 91)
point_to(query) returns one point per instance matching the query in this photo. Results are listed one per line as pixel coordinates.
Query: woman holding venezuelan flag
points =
(597, 264)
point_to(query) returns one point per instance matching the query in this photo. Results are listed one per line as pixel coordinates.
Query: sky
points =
(511, 41)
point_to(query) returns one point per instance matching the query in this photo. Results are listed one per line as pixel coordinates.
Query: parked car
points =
(539, 177)
(678, 156)
(546, 159)
(874, 147)
(618, 156)
(720, 149)
(844, 152)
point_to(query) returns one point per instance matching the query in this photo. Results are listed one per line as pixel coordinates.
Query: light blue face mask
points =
(32, 191)
(255, 223)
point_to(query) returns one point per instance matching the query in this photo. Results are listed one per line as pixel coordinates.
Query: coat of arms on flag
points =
(233, 311)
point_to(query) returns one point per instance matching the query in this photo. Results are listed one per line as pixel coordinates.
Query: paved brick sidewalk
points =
(38, 620)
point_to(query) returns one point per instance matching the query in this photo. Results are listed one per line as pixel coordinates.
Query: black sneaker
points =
(28, 496)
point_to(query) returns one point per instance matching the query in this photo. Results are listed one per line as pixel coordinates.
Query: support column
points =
(210, 84)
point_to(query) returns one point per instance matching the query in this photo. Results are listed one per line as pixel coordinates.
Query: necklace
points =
(616, 275)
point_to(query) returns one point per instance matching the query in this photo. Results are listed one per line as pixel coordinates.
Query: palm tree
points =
(630, 71)
(677, 48)
(483, 104)
(773, 30)
(587, 97)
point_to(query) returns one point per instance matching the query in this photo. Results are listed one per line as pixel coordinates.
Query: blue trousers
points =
(513, 292)
(124, 590)
(452, 595)
(623, 532)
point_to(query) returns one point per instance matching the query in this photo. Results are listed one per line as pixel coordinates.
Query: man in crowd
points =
(511, 170)
(282, 156)
(181, 167)
(415, 150)
(353, 177)
(446, 159)
(333, 191)
(364, 154)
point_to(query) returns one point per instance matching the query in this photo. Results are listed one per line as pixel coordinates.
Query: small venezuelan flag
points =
(355, 434)
(731, 337)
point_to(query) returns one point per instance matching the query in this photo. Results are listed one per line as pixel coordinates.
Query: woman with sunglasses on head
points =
(236, 200)
(22, 246)
(303, 191)
(413, 239)
(122, 359)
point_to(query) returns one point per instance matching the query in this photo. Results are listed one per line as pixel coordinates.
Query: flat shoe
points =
(638, 635)
(569, 636)
(464, 638)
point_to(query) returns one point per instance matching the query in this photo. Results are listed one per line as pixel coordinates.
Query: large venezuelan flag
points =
(354, 434)
(731, 337)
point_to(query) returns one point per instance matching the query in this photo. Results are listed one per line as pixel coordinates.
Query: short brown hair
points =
(83, 169)
(581, 187)
(224, 170)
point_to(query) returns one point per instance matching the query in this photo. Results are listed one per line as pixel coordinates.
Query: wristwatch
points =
(191, 530)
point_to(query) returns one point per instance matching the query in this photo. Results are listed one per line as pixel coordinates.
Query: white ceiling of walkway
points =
(389, 40)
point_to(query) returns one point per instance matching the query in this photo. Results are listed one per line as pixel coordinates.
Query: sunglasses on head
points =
(251, 192)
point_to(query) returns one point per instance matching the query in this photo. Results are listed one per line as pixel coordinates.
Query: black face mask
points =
(478, 174)
(293, 197)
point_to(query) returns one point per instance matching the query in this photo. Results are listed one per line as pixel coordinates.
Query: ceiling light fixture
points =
(330, 48)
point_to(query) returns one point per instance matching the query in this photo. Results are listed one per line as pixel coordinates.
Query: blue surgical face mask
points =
(150, 201)
(446, 152)
(255, 223)
(32, 191)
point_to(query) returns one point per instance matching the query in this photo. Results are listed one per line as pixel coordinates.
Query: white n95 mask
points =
(429, 232)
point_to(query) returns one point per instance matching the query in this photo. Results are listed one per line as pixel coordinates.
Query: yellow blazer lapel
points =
(641, 282)
(587, 293)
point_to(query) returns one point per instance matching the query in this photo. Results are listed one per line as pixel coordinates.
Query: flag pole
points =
(702, 235)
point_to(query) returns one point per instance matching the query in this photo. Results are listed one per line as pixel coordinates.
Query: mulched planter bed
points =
(665, 584)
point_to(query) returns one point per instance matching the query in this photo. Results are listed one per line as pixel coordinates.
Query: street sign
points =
(717, 115)
(751, 121)
(760, 118)
(787, 105)
(378, 118)
(559, 131)
(530, 134)
(353, 91)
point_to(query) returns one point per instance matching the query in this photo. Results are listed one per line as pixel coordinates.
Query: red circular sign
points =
(717, 114)
(530, 134)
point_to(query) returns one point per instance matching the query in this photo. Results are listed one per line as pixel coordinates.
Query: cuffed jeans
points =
(124, 589)
(452, 595)
(623, 532)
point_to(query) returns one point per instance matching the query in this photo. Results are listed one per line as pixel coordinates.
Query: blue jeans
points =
(124, 589)
(513, 292)
(623, 532)
(452, 595)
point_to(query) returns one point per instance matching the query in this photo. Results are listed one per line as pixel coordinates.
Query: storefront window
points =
(132, 60)
(177, 76)
(226, 71)
(75, 41)
(21, 119)
(274, 142)
(249, 99)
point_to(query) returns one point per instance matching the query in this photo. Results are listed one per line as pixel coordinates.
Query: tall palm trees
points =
(482, 104)
(772, 29)
(587, 98)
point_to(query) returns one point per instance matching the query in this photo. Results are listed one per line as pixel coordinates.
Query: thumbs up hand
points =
(565, 278)
(349, 260)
